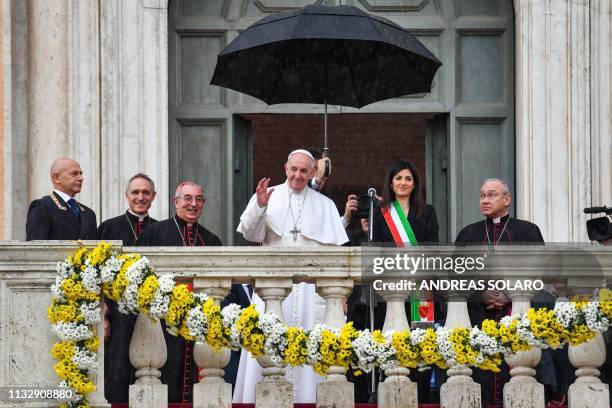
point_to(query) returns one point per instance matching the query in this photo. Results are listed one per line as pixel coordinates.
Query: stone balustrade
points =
(28, 269)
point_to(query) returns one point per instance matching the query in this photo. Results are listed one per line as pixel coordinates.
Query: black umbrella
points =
(339, 55)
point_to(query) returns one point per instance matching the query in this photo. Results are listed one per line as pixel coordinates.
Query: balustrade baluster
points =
(335, 391)
(212, 391)
(460, 390)
(148, 355)
(274, 391)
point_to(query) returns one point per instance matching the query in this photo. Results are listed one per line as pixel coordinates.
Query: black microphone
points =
(597, 210)
(371, 192)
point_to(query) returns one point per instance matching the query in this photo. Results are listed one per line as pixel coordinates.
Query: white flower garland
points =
(366, 350)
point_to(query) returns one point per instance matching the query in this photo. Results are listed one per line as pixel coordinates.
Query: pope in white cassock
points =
(290, 215)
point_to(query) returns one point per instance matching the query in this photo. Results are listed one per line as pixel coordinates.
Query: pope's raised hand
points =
(263, 195)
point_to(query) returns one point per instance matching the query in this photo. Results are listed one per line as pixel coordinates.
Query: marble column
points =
(274, 391)
(588, 391)
(523, 390)
(553, 116)
(148, 355)
(335, 391)
(397, 391)
(212, 391)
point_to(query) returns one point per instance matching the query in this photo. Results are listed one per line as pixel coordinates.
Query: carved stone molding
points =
(394, 5)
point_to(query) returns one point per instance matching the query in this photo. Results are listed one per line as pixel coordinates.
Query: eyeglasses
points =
(189, 199)
(490, 196)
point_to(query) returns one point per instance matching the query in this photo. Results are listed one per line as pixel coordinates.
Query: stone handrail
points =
(28, 269)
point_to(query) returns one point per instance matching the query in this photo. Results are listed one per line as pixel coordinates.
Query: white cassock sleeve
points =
(253, 222)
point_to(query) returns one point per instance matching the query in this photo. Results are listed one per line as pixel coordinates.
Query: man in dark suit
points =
(58, 215)
(127, 227)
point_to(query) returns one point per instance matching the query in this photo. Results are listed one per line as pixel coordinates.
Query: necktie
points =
(73, 207)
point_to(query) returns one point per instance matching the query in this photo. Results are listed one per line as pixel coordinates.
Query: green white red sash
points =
(398, 225)
(421, 303)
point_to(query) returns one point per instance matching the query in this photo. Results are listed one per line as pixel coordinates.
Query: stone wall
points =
(2, 185)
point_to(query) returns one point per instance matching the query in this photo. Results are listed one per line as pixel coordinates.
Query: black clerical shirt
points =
(126, 227)
(509, 231)
(176, 232)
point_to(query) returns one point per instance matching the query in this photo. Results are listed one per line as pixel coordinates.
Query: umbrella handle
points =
(326, 154)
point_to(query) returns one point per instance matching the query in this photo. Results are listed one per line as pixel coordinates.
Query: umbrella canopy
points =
(337, 55)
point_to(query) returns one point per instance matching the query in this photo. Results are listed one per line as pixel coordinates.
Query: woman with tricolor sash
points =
(403, 218)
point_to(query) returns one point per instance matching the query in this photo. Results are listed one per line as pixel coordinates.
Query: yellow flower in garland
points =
(544, 325)
(491, 364)
(581, 301)
(116, 289)
(80, 404)
(508, 335)
(74, 290)
(605, 302)
(429, 350)
(252, 337)
(63, 312)
(328, 348)
(146, 291)
(460, 339)
(64, 350)
(99, 254)
(345, 346)
(67, 370)
(407, 355)
(378, 337)
(489, 327)
(579, 334)
(180, 302)
(77, 259)
(215, 335)
(320, 368)
(93, 343)
(296, 353)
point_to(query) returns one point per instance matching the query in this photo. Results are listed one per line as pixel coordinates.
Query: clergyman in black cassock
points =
(498, 228)
(180, 370)
(180, 363)
(127, 227)
(118, 372)
(58, 216)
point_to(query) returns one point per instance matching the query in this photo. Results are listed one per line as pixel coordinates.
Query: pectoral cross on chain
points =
(295, 231)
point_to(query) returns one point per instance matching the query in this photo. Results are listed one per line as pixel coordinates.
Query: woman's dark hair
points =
(416, 199)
